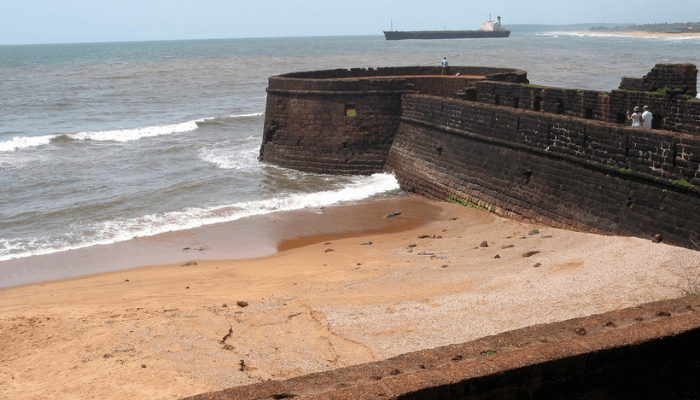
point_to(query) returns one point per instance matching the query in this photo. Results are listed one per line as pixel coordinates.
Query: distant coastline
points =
(639, 33)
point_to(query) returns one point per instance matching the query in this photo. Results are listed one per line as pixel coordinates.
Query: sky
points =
(80, 21)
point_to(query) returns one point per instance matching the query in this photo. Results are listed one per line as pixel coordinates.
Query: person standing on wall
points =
(444, 65)
(646, 118)
(636, 118)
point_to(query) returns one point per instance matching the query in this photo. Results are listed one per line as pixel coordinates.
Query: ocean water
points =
(103, 142)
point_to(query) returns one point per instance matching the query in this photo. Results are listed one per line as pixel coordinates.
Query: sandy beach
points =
(351, 286)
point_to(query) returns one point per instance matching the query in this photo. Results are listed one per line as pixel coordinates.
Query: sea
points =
(104, 142)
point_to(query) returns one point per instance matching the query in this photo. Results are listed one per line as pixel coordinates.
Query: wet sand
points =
(361, 288)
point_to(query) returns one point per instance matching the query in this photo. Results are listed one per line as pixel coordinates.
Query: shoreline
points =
(169, 331)
(250, 237)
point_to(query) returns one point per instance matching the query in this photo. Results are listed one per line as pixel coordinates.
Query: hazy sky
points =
(68, 21)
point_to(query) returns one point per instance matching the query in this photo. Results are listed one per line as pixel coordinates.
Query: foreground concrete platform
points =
(651, 351)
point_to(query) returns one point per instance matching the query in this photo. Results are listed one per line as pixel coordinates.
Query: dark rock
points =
(537, 265)
(497, 256)
(392, 215)
(327, 250)
(366, 243)
(534, 232)
(242, 304)
(508, 246)
(547, 237)
(657, 238)
(412, 245)
(530, 253)
(187, 264)
(484, 244)
(581, 331)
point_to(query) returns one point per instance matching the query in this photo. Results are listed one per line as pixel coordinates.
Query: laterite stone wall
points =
(557, 170)
(344, 121)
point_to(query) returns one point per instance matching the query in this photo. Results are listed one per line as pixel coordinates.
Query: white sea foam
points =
(149, 225)
(126, 135)
(18, 143)
(238, 159)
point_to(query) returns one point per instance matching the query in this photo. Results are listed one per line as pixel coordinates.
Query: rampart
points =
(344, 121)
(487, 138)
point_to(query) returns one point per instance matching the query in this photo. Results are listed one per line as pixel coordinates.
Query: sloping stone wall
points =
(561, 171)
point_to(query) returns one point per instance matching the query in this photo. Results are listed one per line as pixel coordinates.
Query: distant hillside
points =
(678, 27)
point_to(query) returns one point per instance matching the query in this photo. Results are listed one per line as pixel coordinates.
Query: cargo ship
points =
(489, 29)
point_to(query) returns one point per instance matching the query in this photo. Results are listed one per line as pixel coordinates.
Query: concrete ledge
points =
(648, 351)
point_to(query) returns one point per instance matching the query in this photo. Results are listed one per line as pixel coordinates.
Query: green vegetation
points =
(463, 200)
(488, 353)
(681, 182)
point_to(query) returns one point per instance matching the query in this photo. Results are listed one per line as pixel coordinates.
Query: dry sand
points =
(169, 331)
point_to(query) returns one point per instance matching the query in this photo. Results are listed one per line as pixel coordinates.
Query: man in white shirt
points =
(646, 118)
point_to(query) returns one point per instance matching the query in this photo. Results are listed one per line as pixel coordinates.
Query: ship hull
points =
(403, 35)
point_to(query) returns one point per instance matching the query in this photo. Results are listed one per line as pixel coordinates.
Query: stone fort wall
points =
(487, 138)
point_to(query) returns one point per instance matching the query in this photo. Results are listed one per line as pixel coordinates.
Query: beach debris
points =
(188, 263)
(425, 253)
(444, 266)
(534, 232)
(454, 219)
(442, 257)
(412, 245)
(327, 243)
(410, 250)
(657, 238)
(392, 215)
(508, 246)
(537, 265)
(366, 243)
(228, 335)
(663, 314)
(327, 250)
(426, 237)
(610, 324)
(199, 248)
(580, 331)
(358, 267)
(242, 303)
(143, 365)
(242, 364)
(438, 237)
(547, 237)
(457, 357)
(530, 253)
(484, 244)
